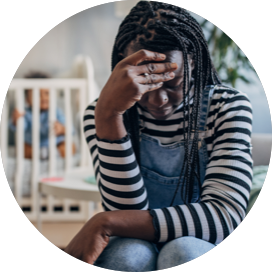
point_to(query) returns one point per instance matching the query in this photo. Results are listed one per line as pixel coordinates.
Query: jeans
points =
(129, 254)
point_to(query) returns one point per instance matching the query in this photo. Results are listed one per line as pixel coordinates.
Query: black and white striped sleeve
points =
(116, 169)
(226, 189)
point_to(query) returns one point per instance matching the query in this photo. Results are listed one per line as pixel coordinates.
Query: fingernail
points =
(171, 74)
(174, 65)
(162, 56)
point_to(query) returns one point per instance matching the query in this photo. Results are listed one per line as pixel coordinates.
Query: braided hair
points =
(163, 27)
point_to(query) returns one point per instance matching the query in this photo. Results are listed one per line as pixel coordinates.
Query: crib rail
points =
(66, 86)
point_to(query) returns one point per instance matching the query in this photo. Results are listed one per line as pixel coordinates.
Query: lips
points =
(160, 112)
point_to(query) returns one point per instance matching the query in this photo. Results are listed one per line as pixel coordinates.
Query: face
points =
(44, 98)
(162, 103)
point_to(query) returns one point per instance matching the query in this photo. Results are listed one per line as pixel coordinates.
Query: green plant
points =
(229, 60)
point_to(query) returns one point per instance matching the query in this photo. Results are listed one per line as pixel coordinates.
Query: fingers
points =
(150, 67)
(156, 68)
(144, 55)
(155, 78)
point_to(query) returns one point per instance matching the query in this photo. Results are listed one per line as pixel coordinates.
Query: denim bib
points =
(161, 164)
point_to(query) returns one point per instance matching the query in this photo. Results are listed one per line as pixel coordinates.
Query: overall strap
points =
(206, 100)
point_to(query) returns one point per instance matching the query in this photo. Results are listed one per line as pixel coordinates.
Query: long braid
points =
(162, 27)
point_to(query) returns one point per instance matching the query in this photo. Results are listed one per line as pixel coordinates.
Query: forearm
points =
(92, 239)
(116, 169)
(129, 223)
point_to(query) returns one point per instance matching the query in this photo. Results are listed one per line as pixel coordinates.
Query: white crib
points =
(23, 174)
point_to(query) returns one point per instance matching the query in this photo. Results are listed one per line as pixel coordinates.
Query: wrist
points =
(109, 124)
(103, 223)
(129, 223)
(104, 111)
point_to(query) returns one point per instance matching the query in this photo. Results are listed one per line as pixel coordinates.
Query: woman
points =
(170, 147)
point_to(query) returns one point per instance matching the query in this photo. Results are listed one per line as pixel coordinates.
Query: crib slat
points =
(49, 202)
(35, 144)
(68, 128)
(52, 137)
(19, 142)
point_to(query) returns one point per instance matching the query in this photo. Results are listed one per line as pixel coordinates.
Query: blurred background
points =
(92, 32)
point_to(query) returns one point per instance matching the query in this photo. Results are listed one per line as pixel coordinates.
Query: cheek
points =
(143, 100)
(175, 98)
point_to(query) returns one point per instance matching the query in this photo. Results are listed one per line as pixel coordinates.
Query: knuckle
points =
(144, 52)
(153, 78)
(166, 76)
(134, 82)
(151, 67)
(167, 65)
(156, 55)
(151, 87)
(127, 73)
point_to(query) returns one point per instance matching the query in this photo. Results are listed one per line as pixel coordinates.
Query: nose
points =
(158, 98)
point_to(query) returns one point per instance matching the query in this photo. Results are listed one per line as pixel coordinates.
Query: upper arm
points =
(229, 170)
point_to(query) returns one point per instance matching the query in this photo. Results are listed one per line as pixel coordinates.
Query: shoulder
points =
(225, 97)
(228, 104)
(225, 94)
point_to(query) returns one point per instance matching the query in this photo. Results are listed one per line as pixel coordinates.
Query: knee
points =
(127, 254)
(182, 250)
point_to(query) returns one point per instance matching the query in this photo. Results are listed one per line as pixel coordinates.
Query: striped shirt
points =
(226, 188)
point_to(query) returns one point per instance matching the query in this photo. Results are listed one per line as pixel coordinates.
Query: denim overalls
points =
(160, 167)
(161, 164)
